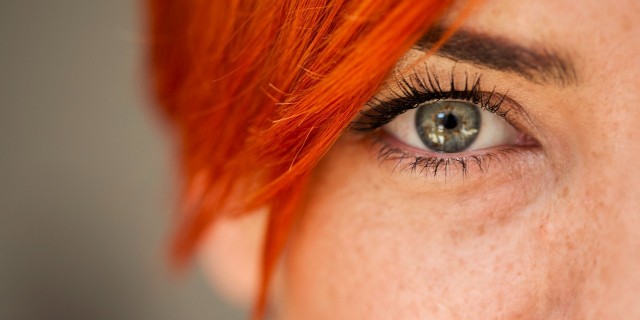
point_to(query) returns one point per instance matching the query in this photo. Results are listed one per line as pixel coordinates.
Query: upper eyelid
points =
(413, 89)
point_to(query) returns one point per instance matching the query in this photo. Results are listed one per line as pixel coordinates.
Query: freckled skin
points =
(556, 238)
(373, 247)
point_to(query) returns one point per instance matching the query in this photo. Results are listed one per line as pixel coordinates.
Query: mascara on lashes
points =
(416, 90)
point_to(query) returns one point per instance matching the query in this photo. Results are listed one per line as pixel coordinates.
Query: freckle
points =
(564, 193)
(542, 230)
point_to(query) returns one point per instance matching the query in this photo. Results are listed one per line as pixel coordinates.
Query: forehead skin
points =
(559, 240)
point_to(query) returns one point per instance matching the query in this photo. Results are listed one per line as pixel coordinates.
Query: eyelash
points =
(433, 164)
(414, 91)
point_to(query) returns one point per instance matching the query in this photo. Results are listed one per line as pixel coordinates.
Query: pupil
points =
(449, 121)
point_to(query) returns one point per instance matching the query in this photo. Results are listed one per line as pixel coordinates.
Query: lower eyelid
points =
(445, 168)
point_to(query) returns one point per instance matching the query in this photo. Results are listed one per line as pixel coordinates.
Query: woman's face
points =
(549, 228)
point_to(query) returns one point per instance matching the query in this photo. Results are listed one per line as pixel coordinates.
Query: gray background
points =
(86, 190)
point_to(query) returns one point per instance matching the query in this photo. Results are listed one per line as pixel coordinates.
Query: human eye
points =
(428, 125)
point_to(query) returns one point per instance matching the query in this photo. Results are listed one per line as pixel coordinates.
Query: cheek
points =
(365, 250)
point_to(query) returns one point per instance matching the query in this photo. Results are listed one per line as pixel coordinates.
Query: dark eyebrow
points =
(502, 54)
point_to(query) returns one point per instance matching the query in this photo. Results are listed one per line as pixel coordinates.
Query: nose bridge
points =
(612, 113)
(617, 181)
(616, 166)
(611, 198)
(614, 158)
(609, 141)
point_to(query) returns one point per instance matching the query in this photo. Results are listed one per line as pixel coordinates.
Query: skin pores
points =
(555, 239)
(549, 233)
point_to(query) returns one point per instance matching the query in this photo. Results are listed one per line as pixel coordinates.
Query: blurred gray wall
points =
(86, 189)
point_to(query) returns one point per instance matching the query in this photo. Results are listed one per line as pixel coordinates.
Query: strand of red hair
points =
(258, 91)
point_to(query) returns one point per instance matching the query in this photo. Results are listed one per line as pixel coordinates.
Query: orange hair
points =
(258, 91)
